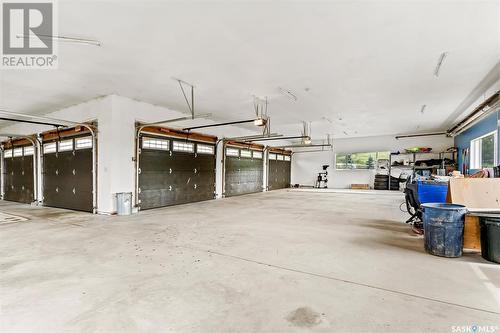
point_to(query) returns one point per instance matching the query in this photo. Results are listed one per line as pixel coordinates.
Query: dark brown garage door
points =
(175, 170)
(67, 173)
(279, 171)
(19, 178)
(243, 171)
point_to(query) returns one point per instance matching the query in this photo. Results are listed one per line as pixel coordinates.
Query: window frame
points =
(235, 150)
(83, 138)
(204, 148)
(182, 144)
(258, 153)
(478, 164)
(245, 153)
(28, 151)
(50, 144)
(155, 143)
(359, 169)
(8, 153)
(15, 152)
(64, 147)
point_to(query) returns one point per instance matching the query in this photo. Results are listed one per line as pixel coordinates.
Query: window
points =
(280, 157)
(287, 158)
(49, 148)
(362, 161)
(82, 143)
(483, 151)
(187, 147)
(245, 153)
(232, 152)
(160, 144)
(65, 145)
(204, 149)
(257, 154)
(272, 156)
(28, 151)
(18, 152)
(7, 153)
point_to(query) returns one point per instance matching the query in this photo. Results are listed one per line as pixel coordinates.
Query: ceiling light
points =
(440, 63)
(307, 141)
(260, 122)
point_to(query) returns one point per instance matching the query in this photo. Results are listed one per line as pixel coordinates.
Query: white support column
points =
(265, 158)
(219, 170)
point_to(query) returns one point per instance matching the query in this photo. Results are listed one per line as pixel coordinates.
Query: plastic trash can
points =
(490, 237)
(444, 229)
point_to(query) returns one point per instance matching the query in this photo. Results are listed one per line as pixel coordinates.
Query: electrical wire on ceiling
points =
(65, 39)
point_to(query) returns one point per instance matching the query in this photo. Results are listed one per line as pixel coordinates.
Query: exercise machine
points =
(322, 180)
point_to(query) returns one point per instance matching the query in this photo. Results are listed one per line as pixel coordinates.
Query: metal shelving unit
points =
(441, 156)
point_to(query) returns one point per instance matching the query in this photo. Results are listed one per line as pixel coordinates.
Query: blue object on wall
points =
(485, 126)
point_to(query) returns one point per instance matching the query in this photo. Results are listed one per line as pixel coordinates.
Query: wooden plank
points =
(472, 234)
(475, 192)
(179, 134)
(360, 186)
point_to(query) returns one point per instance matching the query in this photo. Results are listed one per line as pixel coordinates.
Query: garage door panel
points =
(19, 179)
(279, 174)
(242, 175)
(161, 187)
(67, 181)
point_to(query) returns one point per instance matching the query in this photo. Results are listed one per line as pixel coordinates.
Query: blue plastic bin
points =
(431, 191)
(444, 229)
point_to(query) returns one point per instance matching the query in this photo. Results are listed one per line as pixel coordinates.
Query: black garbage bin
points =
(490, 237)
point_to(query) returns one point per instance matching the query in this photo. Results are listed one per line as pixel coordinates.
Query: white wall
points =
(305, 166)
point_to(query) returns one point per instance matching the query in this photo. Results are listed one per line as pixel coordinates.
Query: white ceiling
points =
(358, 68)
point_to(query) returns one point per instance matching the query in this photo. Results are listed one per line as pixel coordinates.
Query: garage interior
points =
(275, 166)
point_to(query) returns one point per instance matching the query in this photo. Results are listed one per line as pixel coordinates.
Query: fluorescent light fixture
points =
(63, 39)
(440, 63)
(260, 122)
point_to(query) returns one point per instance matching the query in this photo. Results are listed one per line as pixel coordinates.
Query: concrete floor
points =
(280, 261)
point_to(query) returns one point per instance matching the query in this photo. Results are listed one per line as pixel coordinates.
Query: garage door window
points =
(272, 156)
(28, 151)
(280, 157)
(49, 148)
(83, 143)
(183, 146)
(204, 149)
(287, 158)
(65, 145)
(246, 153)
(257, 154)
(232, 152)
(18, 152)
(159, 144)
(7, 153)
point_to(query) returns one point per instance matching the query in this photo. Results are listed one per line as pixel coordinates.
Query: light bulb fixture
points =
(260, 122)
(307, 141)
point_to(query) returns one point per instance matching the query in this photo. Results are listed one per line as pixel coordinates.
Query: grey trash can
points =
(124, 203)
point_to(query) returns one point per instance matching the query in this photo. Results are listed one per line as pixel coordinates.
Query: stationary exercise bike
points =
(322, 178)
